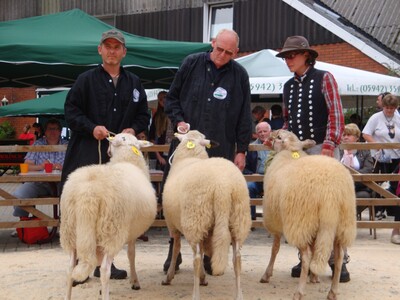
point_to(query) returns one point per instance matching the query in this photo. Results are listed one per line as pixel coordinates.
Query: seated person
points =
(359, 160)
(277, 120)
(255, 163)
(36, 161)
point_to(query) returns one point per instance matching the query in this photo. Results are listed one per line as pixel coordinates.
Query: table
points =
(29, 204)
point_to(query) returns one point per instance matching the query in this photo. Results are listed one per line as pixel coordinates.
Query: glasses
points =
(227, 52)
(291, 55)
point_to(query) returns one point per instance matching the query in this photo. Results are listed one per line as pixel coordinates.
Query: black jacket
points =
(92, 101)
(215, 102)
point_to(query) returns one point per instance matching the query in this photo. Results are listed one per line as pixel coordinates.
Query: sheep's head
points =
(285, 140)
(126, 140)
(192, 144)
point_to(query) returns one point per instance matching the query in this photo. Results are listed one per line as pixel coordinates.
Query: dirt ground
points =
(39, 272)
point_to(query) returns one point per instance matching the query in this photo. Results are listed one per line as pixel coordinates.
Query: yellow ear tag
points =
(295, 154)
(135, 150)
(208, 146)
(190, 145)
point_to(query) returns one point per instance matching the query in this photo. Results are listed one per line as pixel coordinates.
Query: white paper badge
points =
(220, 93)
(136, 95)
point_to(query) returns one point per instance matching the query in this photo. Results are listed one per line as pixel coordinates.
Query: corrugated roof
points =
(378, 19)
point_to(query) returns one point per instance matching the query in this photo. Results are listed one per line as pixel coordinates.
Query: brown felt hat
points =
(113, 34)
(296, 43)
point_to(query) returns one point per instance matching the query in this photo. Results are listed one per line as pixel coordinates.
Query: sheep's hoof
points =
(264, 280)
(331, 295)
(166, 282)
(135, 287)
(203, 282)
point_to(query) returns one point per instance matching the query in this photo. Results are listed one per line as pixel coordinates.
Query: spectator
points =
(312, 108)
(211, 93)
(27, 135)
(37, 130)
(103, 100)
(161, 130)
(277, 120)
(381, 128)
(258, 113)
(36, 161)
(379, 101)
(255, 163)
(359, 160)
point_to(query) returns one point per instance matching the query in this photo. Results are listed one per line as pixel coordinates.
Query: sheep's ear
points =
(144, 144)
(307, 144)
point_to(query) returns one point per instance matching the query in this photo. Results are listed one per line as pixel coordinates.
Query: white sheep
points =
(104, 207)
(206, 200)
(311, 201)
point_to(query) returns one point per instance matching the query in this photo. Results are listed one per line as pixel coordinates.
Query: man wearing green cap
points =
(106, 99)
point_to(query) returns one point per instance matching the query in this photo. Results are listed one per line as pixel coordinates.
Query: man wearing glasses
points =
(312, 109)
(211, 93)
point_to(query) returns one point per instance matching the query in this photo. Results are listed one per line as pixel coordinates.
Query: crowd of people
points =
(211, 93)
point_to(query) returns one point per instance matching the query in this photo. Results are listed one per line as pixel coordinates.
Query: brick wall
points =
(15, 95)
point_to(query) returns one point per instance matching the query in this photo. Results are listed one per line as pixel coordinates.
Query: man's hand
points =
(240, 161)
(100, 132)
(328, 152)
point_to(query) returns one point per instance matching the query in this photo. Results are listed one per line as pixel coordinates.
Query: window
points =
(216, 17)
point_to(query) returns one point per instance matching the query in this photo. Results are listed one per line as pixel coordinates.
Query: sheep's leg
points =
(338, 258)
(237, 266)
(197, 265)
(105, 272)
(72, 264)
(274, 251)
(175, 251)
(305, 267)
(203, 280)
(135, 285)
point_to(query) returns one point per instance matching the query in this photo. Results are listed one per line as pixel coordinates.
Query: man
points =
(255, 163)
(104, 100)
(36, 161)
(211, 93)
(258, 113)
(379, 101)
(312, 108)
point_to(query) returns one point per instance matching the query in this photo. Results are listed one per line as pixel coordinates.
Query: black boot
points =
(207, 264)
(344, 274)
(296, 270)
(168, 261)
(115, 273)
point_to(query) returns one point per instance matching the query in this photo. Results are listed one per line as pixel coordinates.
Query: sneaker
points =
(344, 274)
(207, 264)
(115, 273)
(296, 270)
(75, 283)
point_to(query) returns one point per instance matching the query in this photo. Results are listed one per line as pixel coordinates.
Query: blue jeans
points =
(31, 190)
(255, 191)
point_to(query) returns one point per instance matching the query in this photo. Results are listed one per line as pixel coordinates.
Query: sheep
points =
(104, 207)
(311, 201)
(206, 200)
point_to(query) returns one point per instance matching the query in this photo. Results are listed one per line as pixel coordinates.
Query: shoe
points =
(344, 274)
(395, 239)
(167, 262)
(75, 283)
(296, 270)
(207, 264)
(115, 273)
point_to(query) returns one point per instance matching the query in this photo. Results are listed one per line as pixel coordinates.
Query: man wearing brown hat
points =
(312, 108)
(103, 100)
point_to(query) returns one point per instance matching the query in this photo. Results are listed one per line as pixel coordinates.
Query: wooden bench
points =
(11, 159)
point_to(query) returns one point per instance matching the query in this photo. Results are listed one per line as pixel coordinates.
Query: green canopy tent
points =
(52, 105)
(52, 50)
